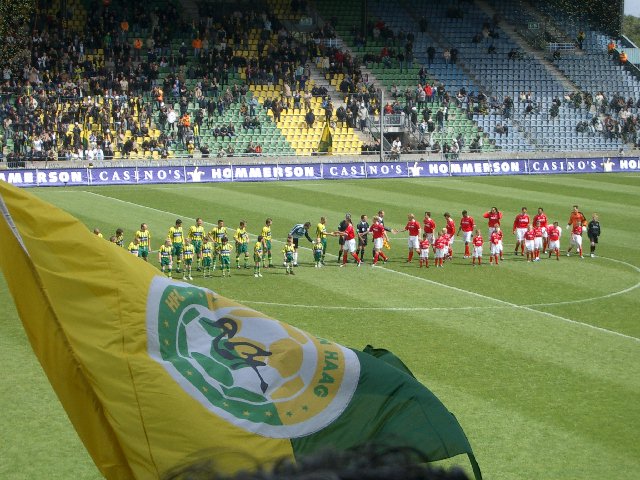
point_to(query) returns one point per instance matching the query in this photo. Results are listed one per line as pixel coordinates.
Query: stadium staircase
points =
(384, 77)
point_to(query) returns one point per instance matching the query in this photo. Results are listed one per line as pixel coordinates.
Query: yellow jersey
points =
(241, 235)
(266, 232)
(217, 233)
(144, 238)
(188, 252)
(207, 250)
(321, 231)
(196, 233)
(176, 235)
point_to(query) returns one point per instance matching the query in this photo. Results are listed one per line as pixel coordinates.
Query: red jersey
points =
(542, 218)
(577, 229)
(478, 241)
(424, 244)
(467, 224)
(496, 238)
(529, 235)
(441, 242)
(554, 233)
(377, 229)
(494, 218)
(429, 225)
(350, 232)
(413, 227)
(537, 231)
(521, 221)
(451, 227)
(446, 238)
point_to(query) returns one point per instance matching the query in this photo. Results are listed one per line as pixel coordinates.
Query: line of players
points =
(533, 237)
(207, 250)
(211, 249)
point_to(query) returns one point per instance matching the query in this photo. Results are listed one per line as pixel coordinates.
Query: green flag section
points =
(155, 373)
(326, 140)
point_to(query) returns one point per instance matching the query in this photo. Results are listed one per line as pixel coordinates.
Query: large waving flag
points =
(155, 373)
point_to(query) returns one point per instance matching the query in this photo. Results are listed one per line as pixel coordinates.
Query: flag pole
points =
(381, 124)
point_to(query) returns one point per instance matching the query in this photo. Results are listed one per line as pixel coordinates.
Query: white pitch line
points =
(460, 290)
(386, 309)
(591, 299)
(522, 307)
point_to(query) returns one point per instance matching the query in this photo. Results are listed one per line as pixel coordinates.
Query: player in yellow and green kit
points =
(257, 256)
(165, 257)
(188, 252)
(119, 237)
(217, 233)
(144, 238)
(318, 250)
(176, 235)
(266, 240)
(321, 233)
(134, 247)
(196, 234)
(225, 257)
(288, 251)
(207, 257)
(242, 244)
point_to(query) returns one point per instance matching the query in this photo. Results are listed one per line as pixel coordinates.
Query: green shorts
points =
(317, 256)
(143, 252)
(206, 262)
(267, 244)
(165, 262)
(225, 261)
(197, 246)
(188, 261)
(289, 257)
(241, 248)
(257, 258)
(177, 249)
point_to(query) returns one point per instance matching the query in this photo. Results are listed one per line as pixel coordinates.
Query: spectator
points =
(309, 119)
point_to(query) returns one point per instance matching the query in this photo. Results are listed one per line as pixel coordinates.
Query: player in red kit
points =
(494, 216)
(520, 225)
(424, 251)
(467, 225)
(477, 248)
(451, 233)
(413, 228)
(576, 239)
(529, 243)
(349, 243)
(554, 232)
(442, 247)
(495, 239)
(538, 243)
(379, 235)
(541, 218)
(429, 227)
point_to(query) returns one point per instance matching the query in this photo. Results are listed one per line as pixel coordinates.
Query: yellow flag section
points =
(326, 140)
(142, 402)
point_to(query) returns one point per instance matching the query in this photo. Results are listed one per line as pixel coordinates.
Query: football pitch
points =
(540, 362)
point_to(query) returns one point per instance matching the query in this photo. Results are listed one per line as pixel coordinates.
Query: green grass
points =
(539, 362)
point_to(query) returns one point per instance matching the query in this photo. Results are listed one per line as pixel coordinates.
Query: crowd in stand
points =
(88, 94)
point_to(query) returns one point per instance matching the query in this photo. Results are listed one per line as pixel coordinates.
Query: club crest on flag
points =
(258, 373)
